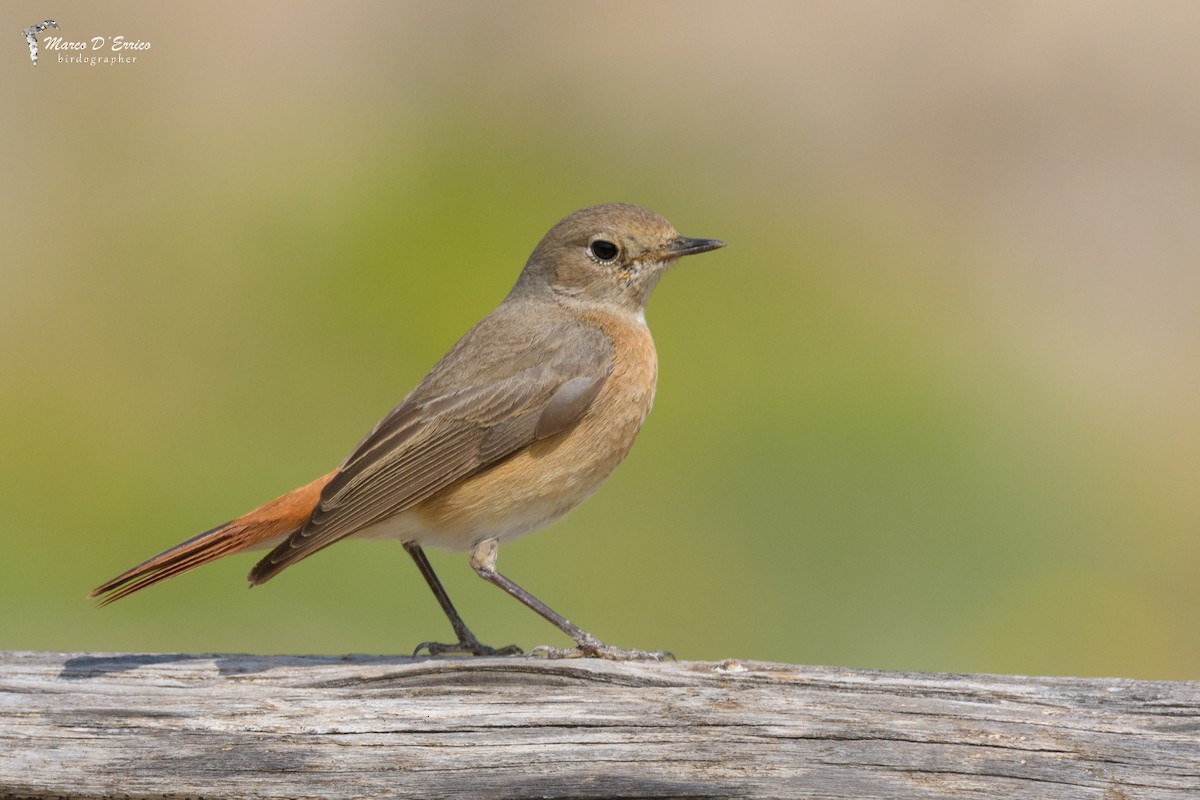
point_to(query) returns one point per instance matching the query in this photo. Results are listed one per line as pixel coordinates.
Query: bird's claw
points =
(466, 648)
(600, 650)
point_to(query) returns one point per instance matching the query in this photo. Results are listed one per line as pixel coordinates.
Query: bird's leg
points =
(467, 643)
(483, 561)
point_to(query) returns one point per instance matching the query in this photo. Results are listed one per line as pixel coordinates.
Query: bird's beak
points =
(683, 246)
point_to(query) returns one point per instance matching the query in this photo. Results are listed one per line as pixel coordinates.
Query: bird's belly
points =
(541, 483)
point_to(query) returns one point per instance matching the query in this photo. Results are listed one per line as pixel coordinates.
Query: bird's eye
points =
(603, 250)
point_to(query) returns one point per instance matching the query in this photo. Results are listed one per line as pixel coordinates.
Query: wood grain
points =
(94, 725)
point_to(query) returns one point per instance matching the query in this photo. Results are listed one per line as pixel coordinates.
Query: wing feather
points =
(441, 435)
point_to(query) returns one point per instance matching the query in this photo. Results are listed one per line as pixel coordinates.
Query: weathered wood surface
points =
(88, 725)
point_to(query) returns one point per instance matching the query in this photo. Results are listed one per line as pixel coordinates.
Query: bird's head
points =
(611, 254)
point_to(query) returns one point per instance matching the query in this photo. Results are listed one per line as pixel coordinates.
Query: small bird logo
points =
(31, 33)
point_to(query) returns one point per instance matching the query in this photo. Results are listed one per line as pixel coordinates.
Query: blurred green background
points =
(934, 408)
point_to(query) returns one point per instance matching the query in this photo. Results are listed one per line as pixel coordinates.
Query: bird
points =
(31, 33)
(521, 421)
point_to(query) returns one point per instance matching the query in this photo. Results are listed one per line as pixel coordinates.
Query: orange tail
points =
(272, 520)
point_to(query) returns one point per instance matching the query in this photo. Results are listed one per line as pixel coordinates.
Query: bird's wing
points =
(435, 439)
(38, 27)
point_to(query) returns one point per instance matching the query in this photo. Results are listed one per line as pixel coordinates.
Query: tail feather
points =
(265, 526)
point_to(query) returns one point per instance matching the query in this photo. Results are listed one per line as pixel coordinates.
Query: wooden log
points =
(94, 725)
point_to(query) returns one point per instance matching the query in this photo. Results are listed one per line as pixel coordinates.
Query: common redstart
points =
(521, 421)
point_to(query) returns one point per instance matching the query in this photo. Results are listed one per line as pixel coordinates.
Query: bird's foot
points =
(467, 647)
(594, 648)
